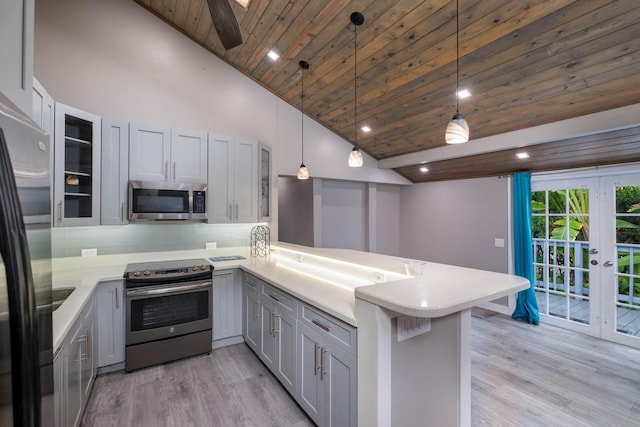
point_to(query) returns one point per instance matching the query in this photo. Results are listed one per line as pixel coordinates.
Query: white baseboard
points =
(227, 341)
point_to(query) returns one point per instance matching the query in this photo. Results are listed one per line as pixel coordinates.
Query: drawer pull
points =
(250, 283)
(274, 297)
(320, 324)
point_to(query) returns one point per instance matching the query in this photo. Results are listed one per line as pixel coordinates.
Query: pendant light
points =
(355, 157)
(303, 172)
(457, 129)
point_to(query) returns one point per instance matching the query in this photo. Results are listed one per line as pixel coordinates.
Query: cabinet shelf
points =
(79, 141)
(70, 172)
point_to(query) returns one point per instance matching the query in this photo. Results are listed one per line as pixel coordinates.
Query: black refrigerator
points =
(26, 356)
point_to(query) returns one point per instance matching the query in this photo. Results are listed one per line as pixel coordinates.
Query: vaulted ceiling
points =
(526, 63)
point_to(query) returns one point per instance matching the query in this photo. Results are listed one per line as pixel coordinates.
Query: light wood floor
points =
(522, 375)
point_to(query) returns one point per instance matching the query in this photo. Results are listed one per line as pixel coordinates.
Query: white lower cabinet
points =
(311, 353)
(278, 350)
(327, 372)
(110, 319)
(58, 387)
(227, 319)
(80, 365)
(251, 321)
(75, 369)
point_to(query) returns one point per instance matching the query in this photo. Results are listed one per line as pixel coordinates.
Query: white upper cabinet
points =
(42, 107)
(115, 172)
(77, 167)
(149, 153)
(188, 156)
(161, 154)
(233, 179)
(16, 51)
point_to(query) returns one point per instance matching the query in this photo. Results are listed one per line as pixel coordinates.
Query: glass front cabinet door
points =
(76, 167)
(264, 189)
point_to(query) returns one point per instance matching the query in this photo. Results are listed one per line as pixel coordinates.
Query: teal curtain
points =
(526, 305)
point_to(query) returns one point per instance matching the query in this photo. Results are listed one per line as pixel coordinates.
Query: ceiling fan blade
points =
(225, 23)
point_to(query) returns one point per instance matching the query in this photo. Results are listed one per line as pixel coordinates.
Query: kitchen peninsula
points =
(413, 350)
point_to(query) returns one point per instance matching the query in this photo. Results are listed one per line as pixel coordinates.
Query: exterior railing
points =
(557, 255)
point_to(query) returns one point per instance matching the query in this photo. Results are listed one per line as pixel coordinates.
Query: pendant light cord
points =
(355, 85)
(302, 111)
(457, 57)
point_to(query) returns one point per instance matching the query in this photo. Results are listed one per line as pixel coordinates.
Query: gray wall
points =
(457, 222)
(295, 204)
(344, 215)
(388, 219)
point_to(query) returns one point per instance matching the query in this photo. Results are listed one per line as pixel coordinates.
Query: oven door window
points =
(158, 312)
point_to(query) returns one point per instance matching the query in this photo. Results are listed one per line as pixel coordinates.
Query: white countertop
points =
(330, 279)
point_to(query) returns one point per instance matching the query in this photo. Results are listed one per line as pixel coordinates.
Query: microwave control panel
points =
(199, 202)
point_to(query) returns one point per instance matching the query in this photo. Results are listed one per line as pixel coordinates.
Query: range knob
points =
(194, 268)
(136, 273)
(147, 273)
(203, 267)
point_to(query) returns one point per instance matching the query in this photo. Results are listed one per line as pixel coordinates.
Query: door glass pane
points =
(560, 228)
(627, 223)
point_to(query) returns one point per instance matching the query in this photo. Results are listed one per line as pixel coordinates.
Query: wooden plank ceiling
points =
(526, 63)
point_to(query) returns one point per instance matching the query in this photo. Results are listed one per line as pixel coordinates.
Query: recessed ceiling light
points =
(424, 169)
(522, 155)
(464, 93)
(365, 129)
(273, 55)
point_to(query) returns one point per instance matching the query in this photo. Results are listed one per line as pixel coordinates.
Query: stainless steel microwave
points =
(149, 200)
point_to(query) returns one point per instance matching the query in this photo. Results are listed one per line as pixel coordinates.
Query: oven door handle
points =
(167, 290)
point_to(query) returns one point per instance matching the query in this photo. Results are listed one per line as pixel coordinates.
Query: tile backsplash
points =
(146, 237)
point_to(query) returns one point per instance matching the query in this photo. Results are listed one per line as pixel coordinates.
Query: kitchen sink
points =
(59, 295)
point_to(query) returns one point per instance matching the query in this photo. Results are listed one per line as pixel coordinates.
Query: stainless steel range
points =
(168, 311)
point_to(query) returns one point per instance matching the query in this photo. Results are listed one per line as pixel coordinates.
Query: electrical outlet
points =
(210, 245)
(89, 252)
(378, 277)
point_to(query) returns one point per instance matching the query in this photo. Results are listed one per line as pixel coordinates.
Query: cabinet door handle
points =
(276, 324)
(87, 343)
(315, 359)
(236, 211)
(255, 309)
(122, 212)
(117, 298)
(60, 211)
(166, 170)
(230, 213)
(323, 373)
(320, 324)
(271, 324)
(83, 349)
(174, 170)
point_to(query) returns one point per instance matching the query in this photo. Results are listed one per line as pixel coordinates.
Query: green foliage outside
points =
(574, 226)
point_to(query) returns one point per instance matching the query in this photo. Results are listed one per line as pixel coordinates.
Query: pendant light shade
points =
(303, 172)
(457, 130)
(355, 156)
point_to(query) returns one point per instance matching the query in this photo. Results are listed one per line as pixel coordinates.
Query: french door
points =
(586, 241)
